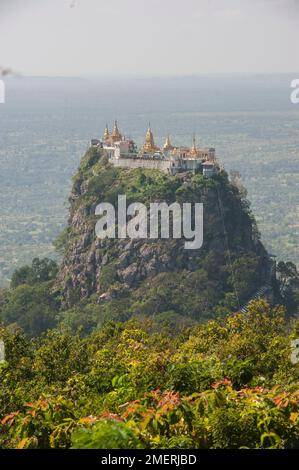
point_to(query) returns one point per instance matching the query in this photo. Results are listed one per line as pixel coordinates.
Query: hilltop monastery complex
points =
(123, 152)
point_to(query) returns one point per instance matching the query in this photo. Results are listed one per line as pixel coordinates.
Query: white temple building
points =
(123, 152)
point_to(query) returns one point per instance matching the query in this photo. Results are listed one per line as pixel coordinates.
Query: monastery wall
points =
(162, 165)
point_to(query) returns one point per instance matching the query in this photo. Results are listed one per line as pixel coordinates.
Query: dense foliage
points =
(41, 270)
(29, 303)
(126, 385)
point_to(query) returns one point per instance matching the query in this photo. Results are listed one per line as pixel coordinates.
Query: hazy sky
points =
(149, 37)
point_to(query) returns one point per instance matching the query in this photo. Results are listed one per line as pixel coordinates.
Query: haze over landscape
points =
(171, 62)
(148, 38)
(46, 126)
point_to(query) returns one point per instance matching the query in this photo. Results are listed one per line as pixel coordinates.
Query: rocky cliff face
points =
(231, 260)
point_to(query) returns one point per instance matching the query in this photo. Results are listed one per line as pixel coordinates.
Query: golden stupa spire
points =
(193, 143)
(149, 145)
(193, 148)
(116, 135)
(167, 145)
(106, 133)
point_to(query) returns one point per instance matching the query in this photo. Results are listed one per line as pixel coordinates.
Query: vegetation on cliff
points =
(159, 277)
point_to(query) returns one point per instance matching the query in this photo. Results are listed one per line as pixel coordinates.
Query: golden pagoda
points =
(116, 135)
(106, 135)
(149, 145)
(167, 145)
(194, 150)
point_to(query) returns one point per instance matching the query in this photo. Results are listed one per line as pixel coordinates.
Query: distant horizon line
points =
(157, 77)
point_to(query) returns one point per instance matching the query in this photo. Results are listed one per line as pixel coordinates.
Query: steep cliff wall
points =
(154, 276)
